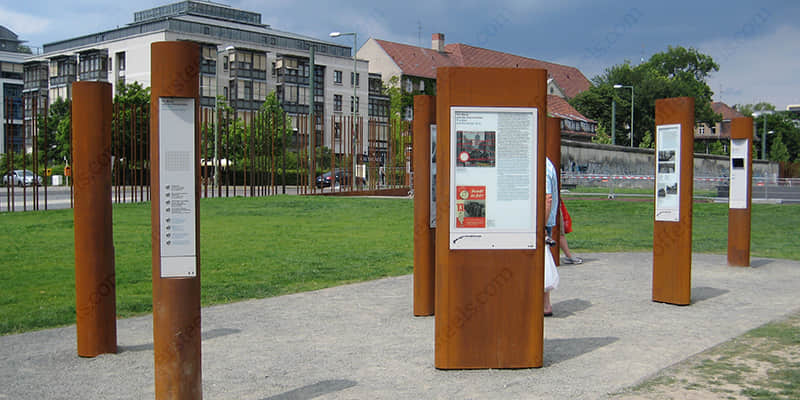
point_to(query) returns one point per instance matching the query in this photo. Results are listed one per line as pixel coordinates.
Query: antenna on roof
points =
(419, 33)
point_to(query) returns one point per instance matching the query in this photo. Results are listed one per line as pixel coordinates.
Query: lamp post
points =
(354, 103)
(631, 87)
(764, 132)
(217, 119)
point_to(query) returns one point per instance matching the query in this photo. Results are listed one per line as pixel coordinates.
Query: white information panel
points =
(668, 172)
(176, 127)
(493, 159)
(740, 154)
(433, 176)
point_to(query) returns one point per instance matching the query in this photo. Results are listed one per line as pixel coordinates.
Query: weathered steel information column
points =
(95, 277)
(424, 226)
(740, 192)
(489, 217)
(175, 182)
(672, 229)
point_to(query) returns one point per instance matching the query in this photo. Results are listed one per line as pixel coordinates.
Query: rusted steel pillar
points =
(553, 152)
(741, 193)
(95, 282)
(424, 228)
(176, 276)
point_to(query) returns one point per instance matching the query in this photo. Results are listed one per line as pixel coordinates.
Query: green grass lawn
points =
(260, 247)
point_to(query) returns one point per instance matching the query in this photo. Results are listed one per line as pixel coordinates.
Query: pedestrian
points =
(550, 211)
(566, 227)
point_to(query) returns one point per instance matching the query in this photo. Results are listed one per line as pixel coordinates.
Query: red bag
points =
(565, 216)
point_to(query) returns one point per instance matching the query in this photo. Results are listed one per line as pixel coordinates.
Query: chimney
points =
(437, 42)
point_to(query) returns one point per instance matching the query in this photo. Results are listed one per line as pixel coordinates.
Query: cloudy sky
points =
(755, 43)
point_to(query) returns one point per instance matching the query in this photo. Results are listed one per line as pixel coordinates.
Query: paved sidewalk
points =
(361, 342)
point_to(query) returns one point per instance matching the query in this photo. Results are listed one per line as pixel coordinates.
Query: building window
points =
(409, 113)
(337, 103)
(701, 130)
(208, 86)
(225, 63)
(356, 80)
(337, 77)
(409, 86)
(259, 91)
(260, 62)
(121, 61)
(421, 86)
(337, 130)
(351, 104)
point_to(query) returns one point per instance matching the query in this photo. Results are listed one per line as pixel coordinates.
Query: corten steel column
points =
(424, 244)
(176, 301)
(95, 280)
(672, 241)
(553, 152)
(488, 303)
(739, 218)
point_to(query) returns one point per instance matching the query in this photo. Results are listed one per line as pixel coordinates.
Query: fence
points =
(247, 153)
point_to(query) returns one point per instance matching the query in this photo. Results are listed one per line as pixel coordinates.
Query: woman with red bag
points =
(566, 227)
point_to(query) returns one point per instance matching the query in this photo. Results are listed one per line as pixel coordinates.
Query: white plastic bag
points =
(550, 272)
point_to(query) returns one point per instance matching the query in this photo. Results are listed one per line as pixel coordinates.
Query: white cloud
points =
(754, 69)
(23, 24)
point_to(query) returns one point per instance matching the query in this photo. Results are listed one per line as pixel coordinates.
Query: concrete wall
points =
(592, 158)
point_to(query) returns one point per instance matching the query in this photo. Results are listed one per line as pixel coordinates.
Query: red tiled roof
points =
(569, 79)
(559, 107)
(728, 112)
(422, 62)
(418, 61)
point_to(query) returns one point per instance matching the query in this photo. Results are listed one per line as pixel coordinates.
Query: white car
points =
(21, 177)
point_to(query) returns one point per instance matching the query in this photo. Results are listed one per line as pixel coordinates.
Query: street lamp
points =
(216, 118)
(353, 104)
(763, 133)
(631, 87)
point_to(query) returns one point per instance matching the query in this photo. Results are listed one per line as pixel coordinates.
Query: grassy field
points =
(260, 247)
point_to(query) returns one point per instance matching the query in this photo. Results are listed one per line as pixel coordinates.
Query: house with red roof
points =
(415, 70)
(704, 132)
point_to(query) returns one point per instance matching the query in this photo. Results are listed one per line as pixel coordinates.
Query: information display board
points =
(668, 172)
(177, 180)
(493, 177)
(740, 175)
(433, 176)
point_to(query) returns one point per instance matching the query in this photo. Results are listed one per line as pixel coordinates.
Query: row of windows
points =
(337, 103)
(231, 34)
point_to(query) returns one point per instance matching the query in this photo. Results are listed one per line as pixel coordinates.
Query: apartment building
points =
(11, 59)
(242, 60)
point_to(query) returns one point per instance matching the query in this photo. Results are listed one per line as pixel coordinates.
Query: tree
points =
(674, 73)
(55, 130)
(778, 151)
(748, 109)
(647, 141)
(601, 136)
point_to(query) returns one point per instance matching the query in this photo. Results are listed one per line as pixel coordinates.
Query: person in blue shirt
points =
(550, 211)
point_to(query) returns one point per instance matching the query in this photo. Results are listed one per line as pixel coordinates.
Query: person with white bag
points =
(550, 211)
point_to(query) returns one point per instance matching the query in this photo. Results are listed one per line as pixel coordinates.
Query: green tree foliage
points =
(601, 136)
(55, 132)
(748, 109)
(130, 126)
(778, 151)
(647, 141)
(676, 72)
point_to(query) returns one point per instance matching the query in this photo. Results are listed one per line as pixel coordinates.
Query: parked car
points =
(21, 177)
(342, 178)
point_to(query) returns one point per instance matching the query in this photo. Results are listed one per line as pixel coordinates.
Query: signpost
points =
(672, 228)
(424, 231)
(740, 192)
(174, 144)
(489, 236)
